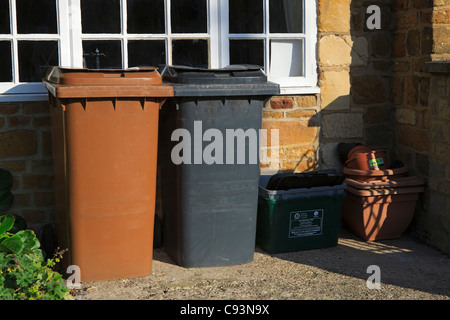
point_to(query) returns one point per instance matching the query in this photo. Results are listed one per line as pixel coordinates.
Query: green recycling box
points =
(298, 219)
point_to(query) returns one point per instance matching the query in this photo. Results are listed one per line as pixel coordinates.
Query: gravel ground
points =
(409, 270)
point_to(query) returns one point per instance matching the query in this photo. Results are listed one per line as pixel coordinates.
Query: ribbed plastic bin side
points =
(210, 205)
(104, 139)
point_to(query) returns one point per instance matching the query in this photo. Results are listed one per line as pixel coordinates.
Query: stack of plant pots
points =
(380, 197)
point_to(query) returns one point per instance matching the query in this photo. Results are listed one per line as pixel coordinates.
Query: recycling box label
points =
(305, 223)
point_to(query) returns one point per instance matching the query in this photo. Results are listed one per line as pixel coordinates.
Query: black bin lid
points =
(233, 80)
(232, 74)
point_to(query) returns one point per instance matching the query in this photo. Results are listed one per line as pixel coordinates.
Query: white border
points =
(70, 38)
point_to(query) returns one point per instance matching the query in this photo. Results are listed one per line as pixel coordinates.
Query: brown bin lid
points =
(100, 83)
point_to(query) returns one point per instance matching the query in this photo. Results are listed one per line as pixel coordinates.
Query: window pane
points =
(286, 58)
(4, 17)
(34, 59)
(145, 16)
(5, 58)
(192, 53)
(247, 52)
(246, 16)
(189, 16)
(286, 16)
(97, 17)
(146, 53)
(102, 54)
(36, 16)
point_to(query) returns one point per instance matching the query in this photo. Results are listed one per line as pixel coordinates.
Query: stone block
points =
(19, 143)
(292, 132)
(329, 156)
(399, 45)
(378, 114)
(379, 136)
(8, 109)
(301, 113)
(380, 44)
(406, 116)
(441, 39)
(334, 51)
(36, 107)
(413, 42)
(13, 165)
(369, 88)
(335, 90)
(38, 181)
(44, 199)
(343, 125)
(412, 137)
(441, 16)
(282, 103)
(273, 115)
(299, 153)
(305, 101)
(343, 51)
(334, 15)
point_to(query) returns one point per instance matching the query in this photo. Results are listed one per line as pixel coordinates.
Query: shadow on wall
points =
(355, 74)
(365, 75)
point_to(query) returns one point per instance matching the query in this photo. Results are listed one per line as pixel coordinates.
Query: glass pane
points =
(36, 16)
(97, 17)
(34, 59)
(286, 16)
(146, 53)
(4, 17)
(102, 54)
(246, 16)
(247, 52)
(189, 16)
(286, 58)
(145, 16)
(192, 53)
(5, 58)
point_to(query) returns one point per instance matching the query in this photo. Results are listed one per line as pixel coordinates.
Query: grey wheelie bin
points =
(209, 156)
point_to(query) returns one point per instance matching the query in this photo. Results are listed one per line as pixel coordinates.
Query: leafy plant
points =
(24, 274)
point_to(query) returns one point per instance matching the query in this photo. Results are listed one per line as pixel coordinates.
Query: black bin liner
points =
(320, 178)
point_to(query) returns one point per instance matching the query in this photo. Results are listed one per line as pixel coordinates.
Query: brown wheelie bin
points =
(104, 137)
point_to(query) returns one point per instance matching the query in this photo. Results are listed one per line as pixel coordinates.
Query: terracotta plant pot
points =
(368, 175)
(358, 149)
(371, 160)
(343, 150)
(380, 210)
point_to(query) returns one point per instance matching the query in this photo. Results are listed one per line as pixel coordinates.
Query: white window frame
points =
(78, 36)
(33, 91)
(70, 39)
(288, 85)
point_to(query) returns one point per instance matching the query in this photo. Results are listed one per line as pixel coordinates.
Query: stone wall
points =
(411, 49)
(296, 118)
(26, 151)
(354, 77)
(433, 221)
(421, 96)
